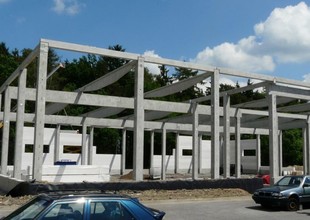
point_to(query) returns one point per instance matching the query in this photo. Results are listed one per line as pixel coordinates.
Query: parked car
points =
(289, 192)
(82, 207)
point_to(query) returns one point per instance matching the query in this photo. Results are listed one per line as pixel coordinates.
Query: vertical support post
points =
(238, 145)
(5, 132)
(308, 145)
(84, 147)
(273, 138)
(280, 153)
(215, 125)
(57, 144)
(226, 149)
(200, 154)
(163, 153)
(90, 146)
(40, 112)
(123, 160)
(305, 151)
(20, 124)
(152, 150)
(258, 152)
(139, 122)
(195, 141)
(177, 153)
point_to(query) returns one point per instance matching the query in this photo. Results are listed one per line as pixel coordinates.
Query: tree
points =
(8, 62)
(190, 93)
(163, 78)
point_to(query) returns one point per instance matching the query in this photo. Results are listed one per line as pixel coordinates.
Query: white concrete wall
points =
(112, 162)
(105, 164)
(185, 162)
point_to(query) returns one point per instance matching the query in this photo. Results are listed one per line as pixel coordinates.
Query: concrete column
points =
(273, 139)
(226, 148)
(280, 153)
(305, 151)
(238, 145)
(163, 153)
(90, 146)
(215, 126)
(123, 160)
(152, 150)
(84, 147)
(308, 145)
(258, 152)
(195, 140)
(139, 122)
(200, 154)
(177, 153)
(5, 132)
(57, 144)
(20, 124)
(40, 112)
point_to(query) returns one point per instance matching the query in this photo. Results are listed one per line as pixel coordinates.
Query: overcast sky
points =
(262, 36)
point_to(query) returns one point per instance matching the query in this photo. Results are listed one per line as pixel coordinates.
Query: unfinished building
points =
(197, 119)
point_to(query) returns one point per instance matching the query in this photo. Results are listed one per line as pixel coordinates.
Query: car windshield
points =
(289, 181)
(31, 210)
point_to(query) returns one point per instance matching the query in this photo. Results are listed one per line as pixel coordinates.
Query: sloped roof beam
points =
(234, 91)
(108, 78)
(177, 87)
(261, 103)
(103, 112)
(295, 108)
(285, 91)
(95, 85)
(20, 68)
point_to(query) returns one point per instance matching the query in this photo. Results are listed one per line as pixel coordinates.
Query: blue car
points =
(84, 207)
(289, 192)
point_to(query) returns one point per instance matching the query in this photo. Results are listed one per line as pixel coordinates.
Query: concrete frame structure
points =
(197, 119)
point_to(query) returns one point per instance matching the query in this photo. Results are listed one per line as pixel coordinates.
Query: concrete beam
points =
(215, 124)
(139, 122)
(178, 86)
(40, 112)
(226, 135)
(273, 139)
(123, 159)
(20, 124)
(5, 132)
(20, 68)
(195, 142)
(238, 146)
(163, 153)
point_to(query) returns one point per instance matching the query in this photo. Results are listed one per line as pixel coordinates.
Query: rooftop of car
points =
(62, 195)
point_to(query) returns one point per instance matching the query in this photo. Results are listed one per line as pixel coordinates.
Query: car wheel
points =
(292, 204)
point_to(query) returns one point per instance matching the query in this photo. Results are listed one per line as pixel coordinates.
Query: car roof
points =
(60, 195)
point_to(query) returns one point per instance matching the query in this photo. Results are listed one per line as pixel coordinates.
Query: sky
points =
(270, 37)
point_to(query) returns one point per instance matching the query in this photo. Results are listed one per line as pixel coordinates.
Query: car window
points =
(290, 181)
(65, 211)
(307, 180)
(31, 210)
(112, 210)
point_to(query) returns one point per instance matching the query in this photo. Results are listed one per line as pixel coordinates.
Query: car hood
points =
(276, 188)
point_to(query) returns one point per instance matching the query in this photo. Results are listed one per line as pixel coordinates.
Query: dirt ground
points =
(152, 195)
